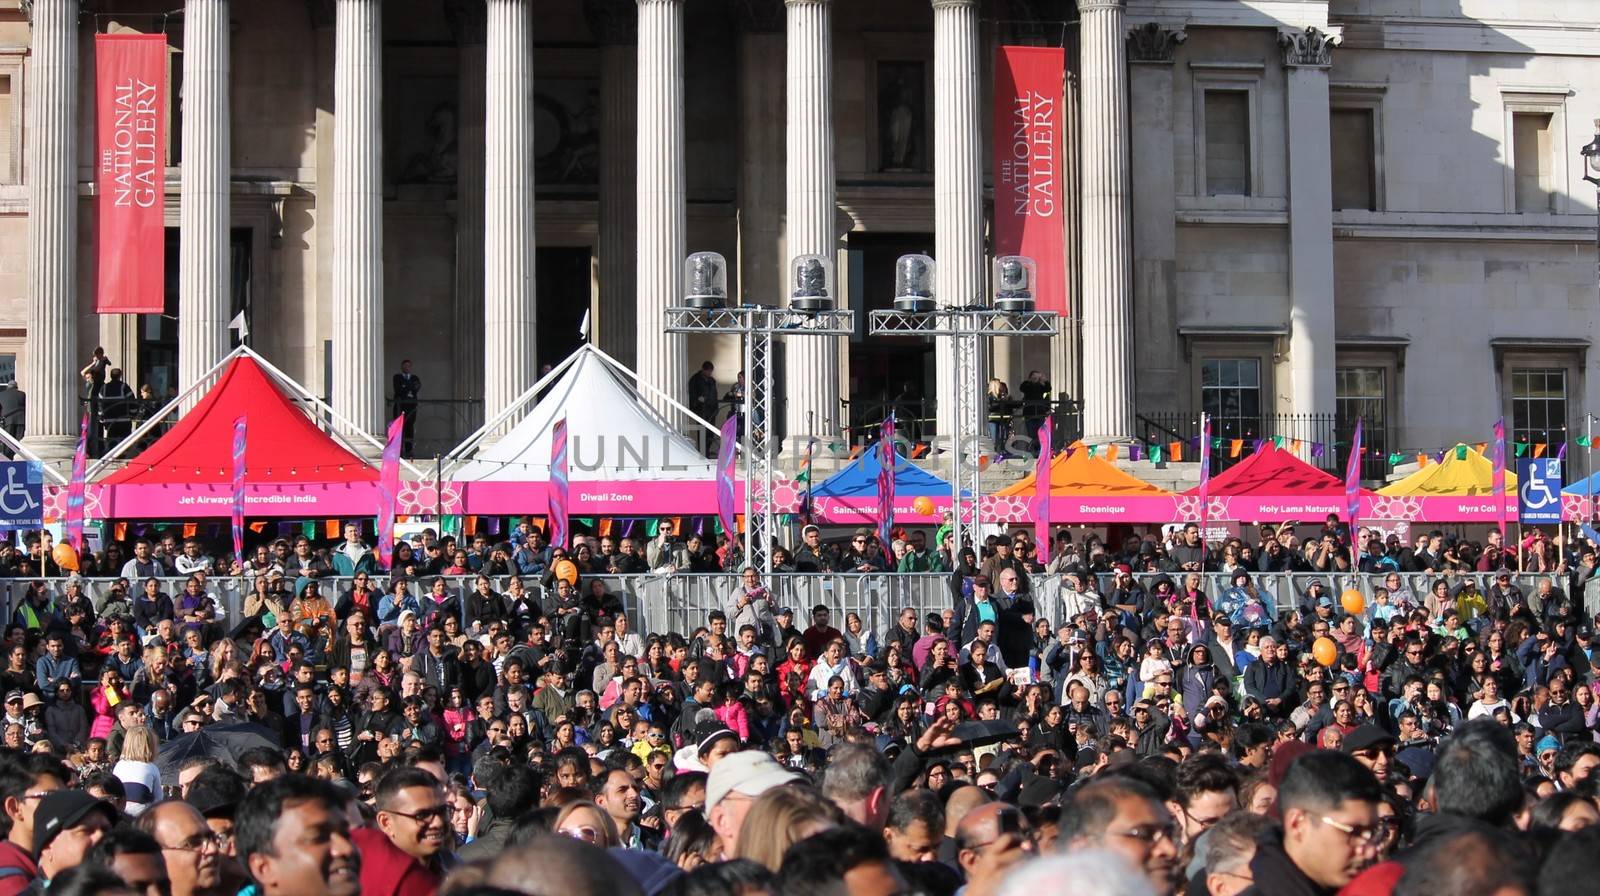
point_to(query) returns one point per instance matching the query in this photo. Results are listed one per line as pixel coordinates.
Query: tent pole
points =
(20, 450)
(295, 387)
(471, 442)
(641, 384)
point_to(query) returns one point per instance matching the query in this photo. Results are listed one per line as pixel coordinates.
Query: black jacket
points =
(1276, 874)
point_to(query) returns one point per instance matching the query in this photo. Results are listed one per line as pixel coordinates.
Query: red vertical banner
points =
(1029, 208)
(130, 166)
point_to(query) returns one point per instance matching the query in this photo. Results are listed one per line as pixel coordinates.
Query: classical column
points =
(615, 25)
(51, 376)
(1307, 56)
(810, 394)
(204, 254)
(1151, 50)
(1107, 252)
(467, 21)
(662, 202)
(510, 342)
(359, 373)
(958, 126)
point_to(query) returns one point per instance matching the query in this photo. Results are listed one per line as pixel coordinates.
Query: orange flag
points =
(1175, 451)
(1539, 447)
(330, 528)
(120, 531)
(1111, 452)
(1234, 446)
(1481, 447)
(189, 529)
(1422, 460)
(1295, 446)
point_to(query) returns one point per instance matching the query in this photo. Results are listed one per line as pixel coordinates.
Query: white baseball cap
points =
(750, 772)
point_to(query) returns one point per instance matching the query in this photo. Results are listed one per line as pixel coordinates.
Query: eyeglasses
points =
(1150, 833)
(199, 842)
(1364, 836)
(425, 816)
(584, 832)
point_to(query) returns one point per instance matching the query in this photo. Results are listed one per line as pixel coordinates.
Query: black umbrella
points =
(226, 742)
(983, 733)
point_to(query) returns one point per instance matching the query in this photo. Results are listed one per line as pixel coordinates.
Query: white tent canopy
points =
(613, 433)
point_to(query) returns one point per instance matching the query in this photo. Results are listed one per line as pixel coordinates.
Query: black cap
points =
(709, 733)
(62, 809)
(1366, 737)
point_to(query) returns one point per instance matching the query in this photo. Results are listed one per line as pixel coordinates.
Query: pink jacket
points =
(733, 715)
(104, 718)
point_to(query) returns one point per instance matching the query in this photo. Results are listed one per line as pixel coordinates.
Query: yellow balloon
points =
(1325, 651)
(65, 557)
(1353, 602)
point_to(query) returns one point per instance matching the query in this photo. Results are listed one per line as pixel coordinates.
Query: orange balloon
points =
(1325, 651)
(567, 571)
(1353, 602)
(64, 556)
(923, 505)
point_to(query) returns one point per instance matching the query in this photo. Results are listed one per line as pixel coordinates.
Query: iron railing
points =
(1324, 438)
(917, 418)
(680, 602)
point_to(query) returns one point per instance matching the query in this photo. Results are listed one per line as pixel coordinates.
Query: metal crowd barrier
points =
(680, 602)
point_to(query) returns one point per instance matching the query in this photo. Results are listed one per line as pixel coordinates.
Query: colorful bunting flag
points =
(1205, 475)
(239, 439)
(1041, 491)
(726, 475)
(75, 500)
(560, 484)
(886, 473)
(1352, 481)
(1499, 470)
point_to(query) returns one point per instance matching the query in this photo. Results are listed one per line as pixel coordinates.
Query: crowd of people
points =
(527, 738)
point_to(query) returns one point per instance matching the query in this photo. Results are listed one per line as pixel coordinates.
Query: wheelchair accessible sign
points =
(21, 495)
(1539, 491)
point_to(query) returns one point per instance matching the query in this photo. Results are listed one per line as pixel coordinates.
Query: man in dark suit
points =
(407, 386)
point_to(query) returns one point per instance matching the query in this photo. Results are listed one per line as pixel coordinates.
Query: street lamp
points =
(1591, 158)
(1591, 155)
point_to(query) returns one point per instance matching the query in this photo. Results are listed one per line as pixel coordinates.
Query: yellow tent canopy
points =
(1473, 474)
(1074, 473)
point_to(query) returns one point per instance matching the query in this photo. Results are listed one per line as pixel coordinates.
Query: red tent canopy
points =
(283, 445)
(1276, 473)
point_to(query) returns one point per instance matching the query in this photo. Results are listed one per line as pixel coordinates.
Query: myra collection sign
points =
(1029, 210)
(130, 172)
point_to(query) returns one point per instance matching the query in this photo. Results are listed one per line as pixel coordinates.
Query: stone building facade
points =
(1283, 211)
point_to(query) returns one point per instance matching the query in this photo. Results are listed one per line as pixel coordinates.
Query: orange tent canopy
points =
(1074, 473)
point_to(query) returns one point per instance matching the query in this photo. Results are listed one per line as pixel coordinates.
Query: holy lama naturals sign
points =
(130, 147)
(1029, 89)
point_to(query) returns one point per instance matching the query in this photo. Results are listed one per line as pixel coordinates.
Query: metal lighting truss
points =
(966, 328)
(757, 325)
